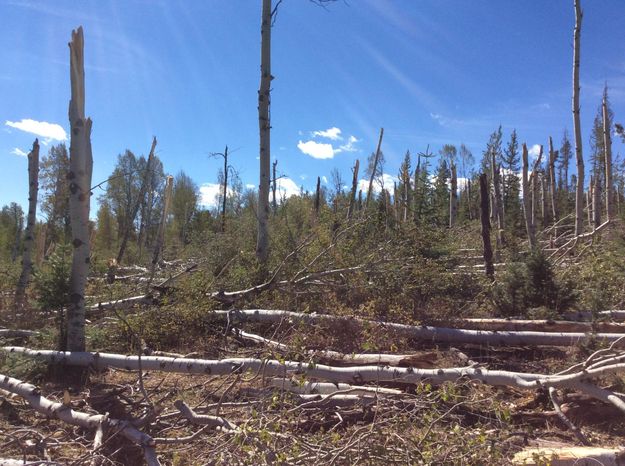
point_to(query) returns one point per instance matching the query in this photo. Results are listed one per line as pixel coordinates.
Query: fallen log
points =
(10, 333)
(423, 359)
(426, 332)
(88, 421)
(326, 388)
(597, 365)
(542, 325)
(615, 315)
(570, 456)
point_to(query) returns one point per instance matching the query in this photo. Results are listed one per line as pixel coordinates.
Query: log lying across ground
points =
(88, 421)
(541, 325)
(426, 332)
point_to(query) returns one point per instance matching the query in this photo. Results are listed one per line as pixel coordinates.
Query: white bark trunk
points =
(375, 167)
(577, 129)
(29, 236)
(264, 101)
(79, 176)
(160, 236)
(527, 207)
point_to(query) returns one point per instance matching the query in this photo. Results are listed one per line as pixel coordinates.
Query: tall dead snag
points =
(29, 237)
(529, 226)
(264, 124)
(607, 145)
(579, 190)
(225, 190)
(318, 196)
(596, 202)
(484, 215)
(497, 211)
(135, 208)
(375, 167)
(160, 236)
(453, 197)
(352, 195)
(553, 155)
(79, 176)
(274, 187)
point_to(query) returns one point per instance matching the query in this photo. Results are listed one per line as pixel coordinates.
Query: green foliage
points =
(531, 285)
(52, 281)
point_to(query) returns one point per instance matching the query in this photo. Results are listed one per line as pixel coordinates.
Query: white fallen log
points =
(326, 388)
(570, 456)
(12, 462)
(425, 332)
(424, 359)
(615, 315)
(541, 325)
(203, 419)
(123, 303)
(88, 421)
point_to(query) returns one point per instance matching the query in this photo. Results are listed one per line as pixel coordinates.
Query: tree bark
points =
(552, 181)
(453, 197)
(375, 167)
(607, 143)
(318, 196)
(135, 208)
(264, 124)
(225, 191)
(352, 195)
(497, 210)
(160, 236)
(274, 187)
(596, 202)
(29, 237)
(579, 190)
(79, 176)
(488, 250)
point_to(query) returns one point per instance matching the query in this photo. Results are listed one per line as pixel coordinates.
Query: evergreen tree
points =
(54, 192)
(511, 184)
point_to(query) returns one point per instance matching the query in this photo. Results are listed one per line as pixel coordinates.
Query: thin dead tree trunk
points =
(29, 237)
(497, 212)
(375, 168)
(264, 97)
(544, 208)
(589, 198)
(607, 143)
(453, 197)
(553, 155)
(160, 236)
(596, 201)
(274, 187)
(484, 208)
(225, 191)
(79, 176)
(352, 195)
(531, 234)
(579, 190)
(135, 208)
(318, 196)
(468, 200)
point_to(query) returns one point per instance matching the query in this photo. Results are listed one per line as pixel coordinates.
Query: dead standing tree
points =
(375, 168)
(160, 236)
(135, 208)
(453, 196)
(224, 185)
(579, 190)
(29, 237)
(607, 145)
(527, 206)
(352, 195)
(484, 215)
(79, 176)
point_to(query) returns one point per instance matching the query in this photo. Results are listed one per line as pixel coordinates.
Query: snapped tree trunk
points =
(318, 196)
(135, 208)
(453, 197)
(29, 237)
(596, 202)
(527, 208)
(352, 195)
(607, 144)
(225, 191)
(544, 208)
(264, 124)
(79, 176)
(484, 208)
(552, 182)
(579, 190)
(160, 236)
(375, 168)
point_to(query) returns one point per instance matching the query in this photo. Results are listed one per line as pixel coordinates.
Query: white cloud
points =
(250, 186)
(286, 188)
(316, 150)
(333, 133)
(19, 152)
(209, 194)
(324, 179)
(533, 152)
(48, 131)
(387, 179)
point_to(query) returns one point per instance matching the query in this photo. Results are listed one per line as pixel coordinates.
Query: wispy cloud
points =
(333, 133)
(349, 147)
(385, 181)
(534, 151)
(47, 131)
(19, 152)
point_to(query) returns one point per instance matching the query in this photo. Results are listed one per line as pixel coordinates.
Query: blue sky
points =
(428, 71)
